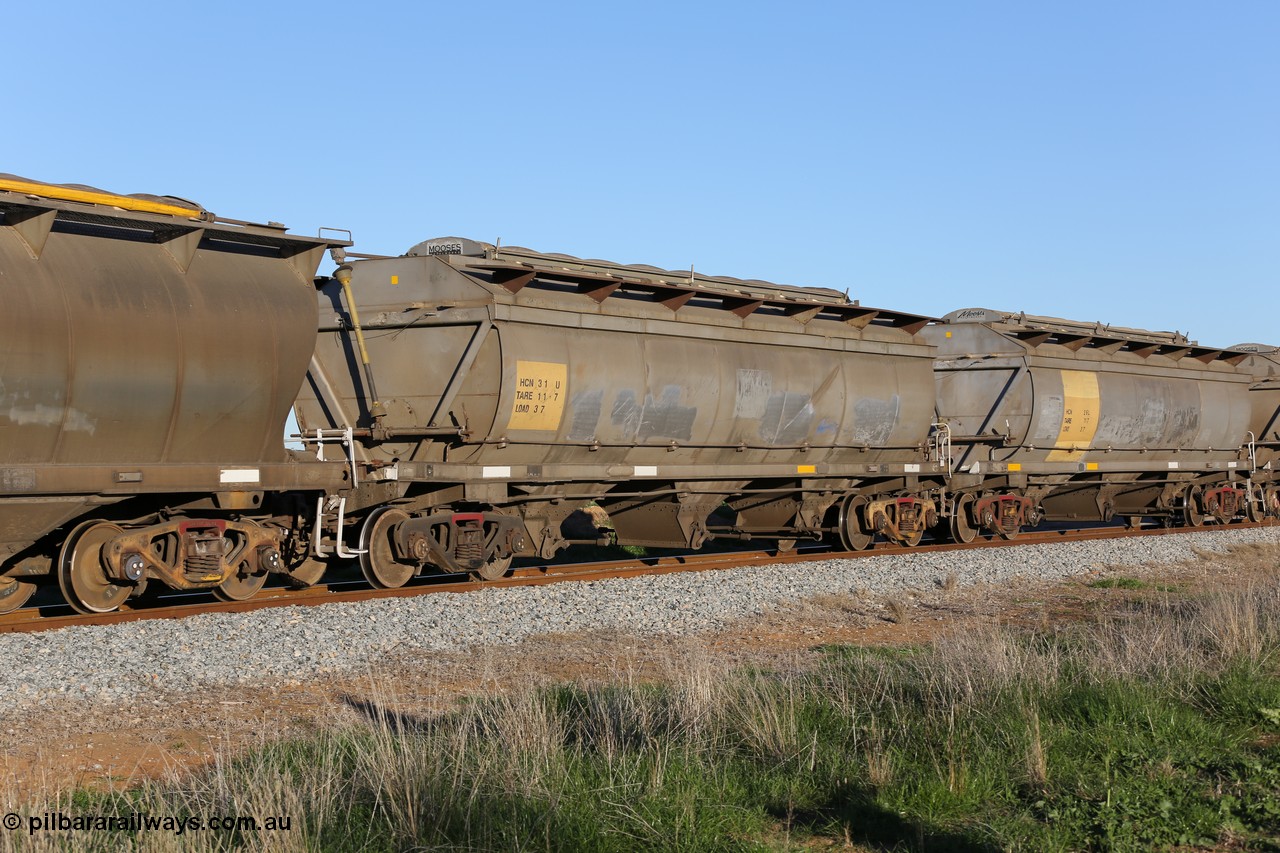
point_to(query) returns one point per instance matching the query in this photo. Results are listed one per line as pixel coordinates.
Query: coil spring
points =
(203, 564)
(468, 551)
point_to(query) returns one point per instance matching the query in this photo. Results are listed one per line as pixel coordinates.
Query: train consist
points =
(459, 403)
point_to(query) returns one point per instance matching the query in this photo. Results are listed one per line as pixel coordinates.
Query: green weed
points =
(1155, 729)
(1119, 583)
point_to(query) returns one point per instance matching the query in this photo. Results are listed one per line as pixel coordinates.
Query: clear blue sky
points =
(1115, 161)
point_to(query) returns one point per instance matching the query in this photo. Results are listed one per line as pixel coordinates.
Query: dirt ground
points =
(78, 746)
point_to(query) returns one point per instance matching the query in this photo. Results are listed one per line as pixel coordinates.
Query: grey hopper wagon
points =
(151, 354)
(514, 386)
(1086, 421)
(460, 403)
(1261, 363)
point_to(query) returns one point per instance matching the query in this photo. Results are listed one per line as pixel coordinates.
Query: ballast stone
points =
(289, 645)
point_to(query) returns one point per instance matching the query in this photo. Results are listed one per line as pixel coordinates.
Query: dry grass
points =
(835, 603)
(1037, 765)
(897, 611)
(973, 663)
(409, 762)
(1167, 638)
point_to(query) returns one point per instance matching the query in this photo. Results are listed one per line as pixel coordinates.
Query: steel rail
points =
(51, 617)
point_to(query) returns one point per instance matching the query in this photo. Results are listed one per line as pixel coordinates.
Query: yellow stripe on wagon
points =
(124, 202)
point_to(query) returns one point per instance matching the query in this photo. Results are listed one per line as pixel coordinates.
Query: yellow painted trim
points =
(1015, 466)
(93, 197)
(806, 469)
(1091, 466)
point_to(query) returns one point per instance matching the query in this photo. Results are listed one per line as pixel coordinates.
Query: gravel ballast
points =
(289, 644)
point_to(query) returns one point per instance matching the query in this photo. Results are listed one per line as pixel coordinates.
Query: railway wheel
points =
(913, 538)
(14, 593)
(381, 568)
(1255, 506)
(1192, 515)
(81, 575)
(852, 534)
(240, 587)
(306, 573)
(246, 581)
(494, 568)
(1008, 532)
(962, 530)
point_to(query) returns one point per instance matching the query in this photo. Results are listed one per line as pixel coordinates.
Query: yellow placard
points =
(1081, 407)
(541, 390)
(806, 469)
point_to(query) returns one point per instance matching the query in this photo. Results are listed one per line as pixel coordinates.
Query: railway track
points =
(53, 616)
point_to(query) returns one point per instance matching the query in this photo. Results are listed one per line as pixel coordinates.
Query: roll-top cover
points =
(1089, 339)
(514, 269)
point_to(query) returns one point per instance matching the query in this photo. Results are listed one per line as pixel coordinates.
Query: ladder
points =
(335, 504)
